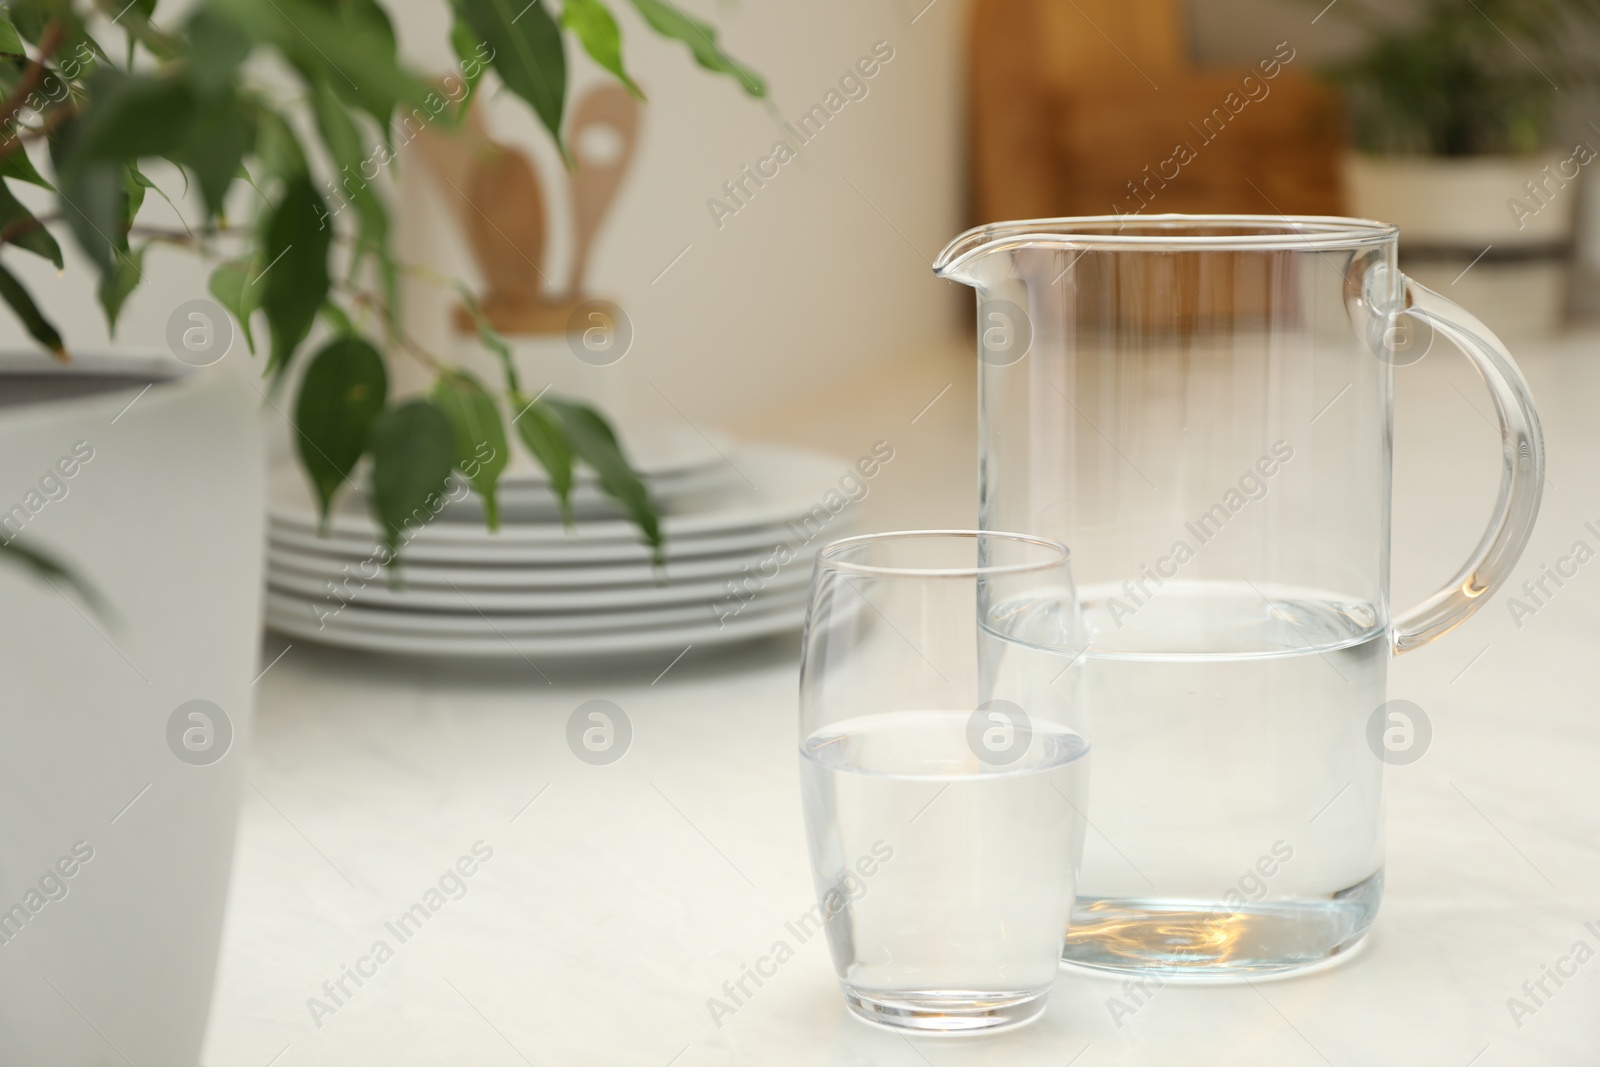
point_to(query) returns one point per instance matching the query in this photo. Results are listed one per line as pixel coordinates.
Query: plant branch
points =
(52, 120)
(34, 74)
(362, 298)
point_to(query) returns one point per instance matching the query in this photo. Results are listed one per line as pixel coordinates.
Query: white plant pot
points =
(1471, 228)
(115, 851)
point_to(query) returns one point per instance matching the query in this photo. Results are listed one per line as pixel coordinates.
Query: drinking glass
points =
(944, 766)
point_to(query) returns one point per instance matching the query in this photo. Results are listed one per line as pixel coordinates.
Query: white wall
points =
(806, 284)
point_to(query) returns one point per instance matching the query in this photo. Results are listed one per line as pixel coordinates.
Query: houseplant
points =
(191, 94)
(124, 763)
(1453, 115)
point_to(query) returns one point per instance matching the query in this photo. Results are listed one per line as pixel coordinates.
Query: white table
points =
(619, 898)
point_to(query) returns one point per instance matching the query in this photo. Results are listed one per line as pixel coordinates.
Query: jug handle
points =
(1521, 481)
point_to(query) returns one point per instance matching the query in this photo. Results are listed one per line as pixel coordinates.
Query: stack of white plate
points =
(741, 525)
(678, 463)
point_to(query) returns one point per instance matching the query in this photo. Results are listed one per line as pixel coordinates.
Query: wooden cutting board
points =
(1079, 107)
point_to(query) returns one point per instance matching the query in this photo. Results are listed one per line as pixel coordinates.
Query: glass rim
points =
(1154, 233)
(827, 556)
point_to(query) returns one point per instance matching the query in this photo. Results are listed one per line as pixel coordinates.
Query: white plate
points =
(418, 574)
(355, 550)
(378, 620)
(376, 593)
(740, 628)
(655, 452)
(537, 503)
(788, 483)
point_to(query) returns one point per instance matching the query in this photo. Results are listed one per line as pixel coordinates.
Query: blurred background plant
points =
(1461, 79)
(223, 95)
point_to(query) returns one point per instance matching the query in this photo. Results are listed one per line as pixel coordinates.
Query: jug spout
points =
(1018, 261)
(968, 259)
(987, 256)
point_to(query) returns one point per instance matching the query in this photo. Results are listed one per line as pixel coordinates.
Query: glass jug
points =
(1200, 407)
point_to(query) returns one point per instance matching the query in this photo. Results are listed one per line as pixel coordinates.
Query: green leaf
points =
(368, 17)
(95, 204)
(341, 395)
(295, 274)
(118, 283)
(94, 201)
(344, 45)
(468, 48)
(28, 17)
(667, 19)
(481, 449)
(541, 431)
(150, 186)
(129, 117)
(10, 40)
(343, 138)
(20, 228)
(413, 453)
(595, 443)
(11, 68)
(490, 339)
(368, 29)
(134, 19)
(38, 327)
(389, 277)
(217, 47)
(528, 54)
(278, 148)
(596, 29)
(134, 184)
(338, 129)
(31, 17)
(230, 284)
(16, 164)
(47, 567)
(337, 320)
(222, 131)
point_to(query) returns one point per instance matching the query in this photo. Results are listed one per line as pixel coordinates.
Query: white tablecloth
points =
(618, 899)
